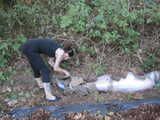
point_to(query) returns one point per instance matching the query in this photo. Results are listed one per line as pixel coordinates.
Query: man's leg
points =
(39, 67)
(36, 71)
(31, 58)
(45, 73)
(46, 83)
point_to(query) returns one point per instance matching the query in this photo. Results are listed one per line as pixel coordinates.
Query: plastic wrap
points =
(59, 112)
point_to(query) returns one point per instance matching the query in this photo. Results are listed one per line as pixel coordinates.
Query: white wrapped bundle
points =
(129, 84)
(155, 75)
(104, 83)
(132, 84)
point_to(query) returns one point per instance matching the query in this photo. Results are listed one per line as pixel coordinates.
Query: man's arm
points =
(59, 57)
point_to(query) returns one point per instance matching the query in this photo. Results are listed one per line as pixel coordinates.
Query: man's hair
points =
(67, 46)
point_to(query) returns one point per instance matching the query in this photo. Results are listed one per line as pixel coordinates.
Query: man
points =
(32, 50)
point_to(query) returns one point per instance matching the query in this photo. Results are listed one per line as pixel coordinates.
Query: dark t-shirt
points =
(41, 46)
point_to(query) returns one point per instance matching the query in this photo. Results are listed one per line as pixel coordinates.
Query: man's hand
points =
(58, 69)
(67, 74)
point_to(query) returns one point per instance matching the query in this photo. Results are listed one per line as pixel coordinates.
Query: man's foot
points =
(50, 97)
(48, 93)
(53, 99)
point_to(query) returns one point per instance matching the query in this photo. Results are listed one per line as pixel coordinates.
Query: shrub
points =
(111, 21)
(9, 49)
(150, 62)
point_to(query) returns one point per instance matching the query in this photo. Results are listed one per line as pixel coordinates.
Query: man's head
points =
(67, 47)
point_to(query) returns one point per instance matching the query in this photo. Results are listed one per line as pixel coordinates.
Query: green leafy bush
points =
(99, 69)
(9, 50)
(111, 21)
(87, 49)
(76, 16)
(4, 75)
(31, 19)
(16, 18)
(150, 62)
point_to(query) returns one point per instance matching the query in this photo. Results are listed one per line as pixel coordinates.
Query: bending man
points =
(32, 50)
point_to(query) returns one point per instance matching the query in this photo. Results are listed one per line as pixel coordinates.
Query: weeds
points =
(9, 48)
(99, 69)
(111, 21)
(150, 62)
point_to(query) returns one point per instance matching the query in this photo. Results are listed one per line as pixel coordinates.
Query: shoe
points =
(48, 92)
(53, 100)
